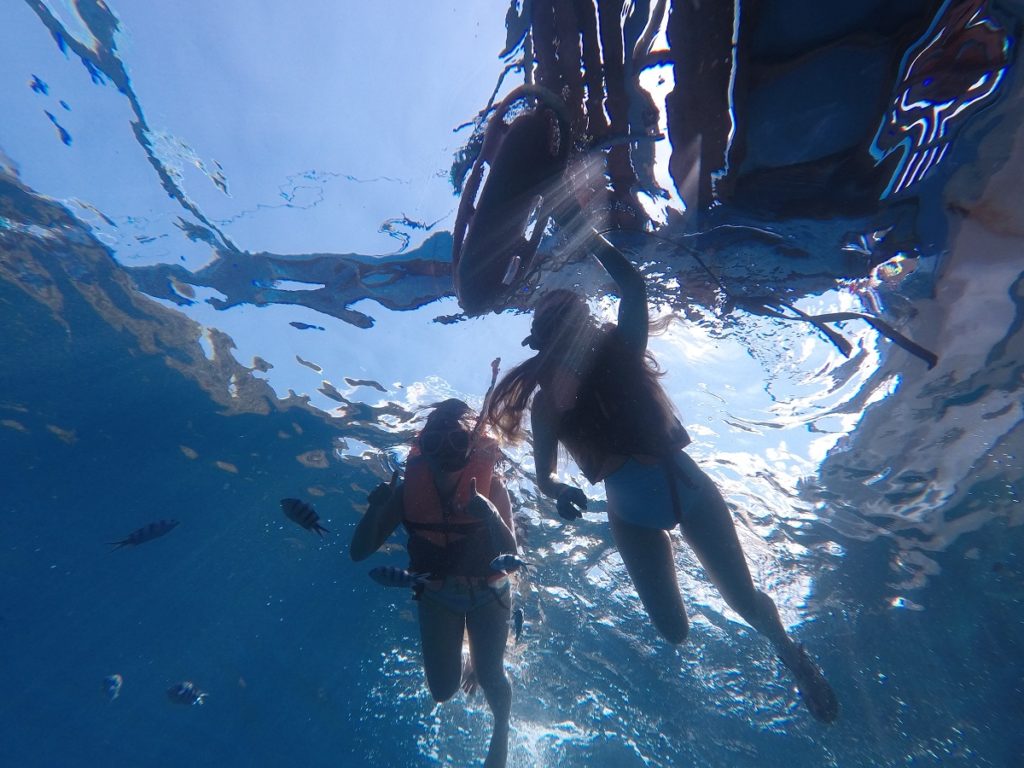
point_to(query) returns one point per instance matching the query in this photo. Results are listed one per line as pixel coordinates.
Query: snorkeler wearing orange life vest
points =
(597, 393)
(458, 516)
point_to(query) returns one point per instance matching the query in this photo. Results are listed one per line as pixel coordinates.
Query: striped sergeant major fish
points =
(302, 513)
(509, 563)
(517, 622)
(392, 576)
(144, 534)
(186, 693)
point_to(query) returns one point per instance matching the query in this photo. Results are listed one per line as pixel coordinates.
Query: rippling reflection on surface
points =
(193, 338)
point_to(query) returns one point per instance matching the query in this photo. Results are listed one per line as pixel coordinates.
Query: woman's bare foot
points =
(817, 694)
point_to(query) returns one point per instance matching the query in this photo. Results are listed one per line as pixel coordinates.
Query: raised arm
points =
(379, 522)
(633, 317)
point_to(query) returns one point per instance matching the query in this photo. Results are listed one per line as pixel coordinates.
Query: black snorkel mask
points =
(447, 448)
(533, 342)
(542, 331)
(559, 318)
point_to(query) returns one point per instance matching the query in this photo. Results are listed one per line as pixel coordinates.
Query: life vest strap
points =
(414, 525)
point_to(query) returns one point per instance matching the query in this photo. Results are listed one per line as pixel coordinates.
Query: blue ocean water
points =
(225, 244)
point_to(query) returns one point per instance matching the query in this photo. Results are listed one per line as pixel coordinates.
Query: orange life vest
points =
(440, 521)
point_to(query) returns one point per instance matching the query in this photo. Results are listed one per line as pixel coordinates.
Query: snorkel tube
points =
(478, 428)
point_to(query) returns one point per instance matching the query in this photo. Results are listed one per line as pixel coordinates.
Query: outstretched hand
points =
(571, 503)
(479, 505)
(383, 492)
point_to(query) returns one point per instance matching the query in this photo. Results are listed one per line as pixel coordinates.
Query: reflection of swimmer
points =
(597, 393)
(499, 226)
(454, 534)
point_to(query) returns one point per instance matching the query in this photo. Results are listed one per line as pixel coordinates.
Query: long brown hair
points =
(511, 396)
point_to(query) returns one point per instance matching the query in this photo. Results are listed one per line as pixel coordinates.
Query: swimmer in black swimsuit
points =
(597, 393)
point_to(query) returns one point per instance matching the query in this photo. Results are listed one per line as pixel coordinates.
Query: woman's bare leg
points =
(488, 634)
(708, 528)
(441, 633)
(647, 554)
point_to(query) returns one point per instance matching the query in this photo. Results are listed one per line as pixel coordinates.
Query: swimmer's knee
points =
(440, 697)
(677, 636)
(496, 682)
(441, 693)
(674, 631)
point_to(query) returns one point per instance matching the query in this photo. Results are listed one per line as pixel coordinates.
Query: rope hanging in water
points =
(772, 306)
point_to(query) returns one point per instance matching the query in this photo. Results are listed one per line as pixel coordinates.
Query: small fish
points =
(112, 686)
(186, 693)
(517, 622)
(508, 563)
(303, 514)
(391, 576)
(145, 533)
